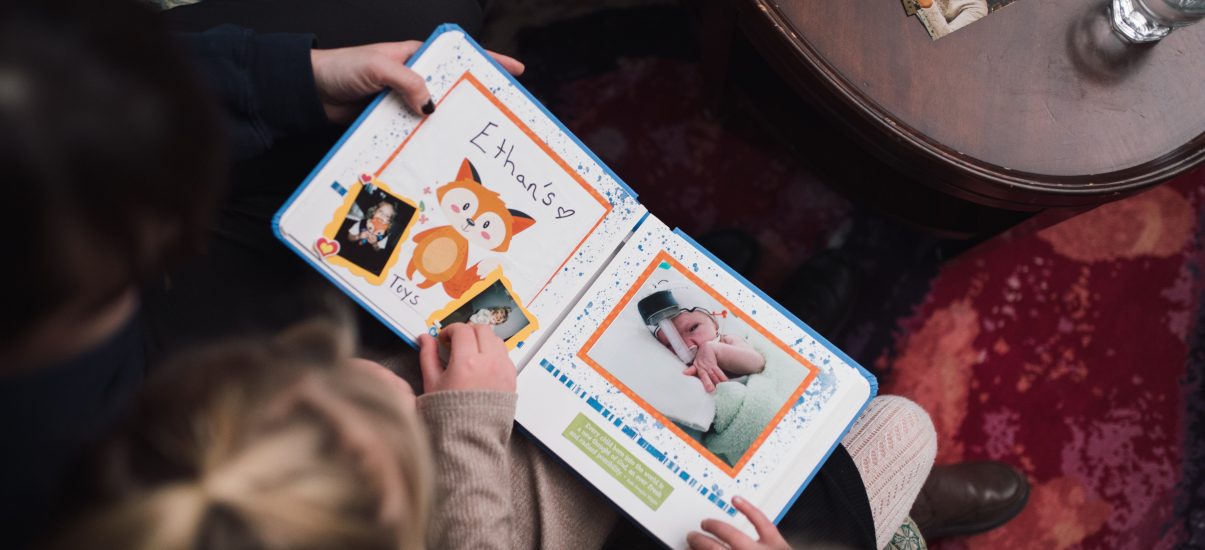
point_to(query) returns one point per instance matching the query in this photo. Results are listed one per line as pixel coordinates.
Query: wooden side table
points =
(1037, 105)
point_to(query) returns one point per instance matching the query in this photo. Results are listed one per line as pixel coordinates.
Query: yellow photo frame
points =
(330, 232)
(493, 278)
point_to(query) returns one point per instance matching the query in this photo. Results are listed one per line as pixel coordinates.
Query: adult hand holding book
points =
(347, 78)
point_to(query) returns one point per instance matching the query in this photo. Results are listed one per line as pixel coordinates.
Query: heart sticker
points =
(366, 178)
(326, 247)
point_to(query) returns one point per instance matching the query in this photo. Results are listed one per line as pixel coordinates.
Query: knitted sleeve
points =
(469, 434)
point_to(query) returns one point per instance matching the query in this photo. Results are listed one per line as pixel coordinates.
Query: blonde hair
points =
(263, 445)
(504, 310)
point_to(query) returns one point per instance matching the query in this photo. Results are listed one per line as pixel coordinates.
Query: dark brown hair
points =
(112, 154)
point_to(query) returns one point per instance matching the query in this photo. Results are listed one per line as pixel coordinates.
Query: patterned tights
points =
(893, 445)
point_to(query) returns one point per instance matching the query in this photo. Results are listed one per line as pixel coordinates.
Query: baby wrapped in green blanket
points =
(748, 392)
(742, 410)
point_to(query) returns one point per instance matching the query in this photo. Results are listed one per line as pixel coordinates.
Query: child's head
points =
(499, 315)
(283, 444)
(695, 326)
(113, 156)
(382, 215)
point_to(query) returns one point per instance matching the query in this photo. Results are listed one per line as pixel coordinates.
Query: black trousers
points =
(246, 281)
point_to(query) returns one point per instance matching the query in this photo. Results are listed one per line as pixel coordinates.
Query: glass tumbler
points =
(1150, 20)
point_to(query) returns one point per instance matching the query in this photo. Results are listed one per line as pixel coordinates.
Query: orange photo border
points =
(472, 80)
(664, 256)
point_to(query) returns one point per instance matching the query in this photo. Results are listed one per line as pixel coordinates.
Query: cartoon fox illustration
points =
(478, 216)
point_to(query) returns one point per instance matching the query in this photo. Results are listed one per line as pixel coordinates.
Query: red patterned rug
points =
(1066, 353)
(1074, 353)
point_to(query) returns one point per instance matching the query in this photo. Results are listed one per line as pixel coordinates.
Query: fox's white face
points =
(479, 214)
(482, 227)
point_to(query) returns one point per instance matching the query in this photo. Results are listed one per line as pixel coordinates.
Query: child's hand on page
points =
(478, 360)
(727, 536)
(706, 366)
(347, 78)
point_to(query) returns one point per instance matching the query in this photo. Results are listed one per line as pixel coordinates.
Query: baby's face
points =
(695, 327)
(498, 317)
(383, 213)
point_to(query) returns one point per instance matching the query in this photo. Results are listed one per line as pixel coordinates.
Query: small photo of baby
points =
(371, 230)
(374, 231)
(692, 332)
(490, 315)
(495, 307)
(688, 356)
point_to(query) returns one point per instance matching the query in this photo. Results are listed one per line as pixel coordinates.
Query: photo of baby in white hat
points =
(690, 358)
(692, 332)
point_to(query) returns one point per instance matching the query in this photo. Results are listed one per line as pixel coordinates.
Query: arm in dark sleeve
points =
(264, 84)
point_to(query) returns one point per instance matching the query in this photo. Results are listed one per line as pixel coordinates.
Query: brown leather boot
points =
(968, 498)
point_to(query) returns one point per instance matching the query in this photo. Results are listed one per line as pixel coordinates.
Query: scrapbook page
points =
(486, 210)
(942, 17)
(616, 391)
(662, 377)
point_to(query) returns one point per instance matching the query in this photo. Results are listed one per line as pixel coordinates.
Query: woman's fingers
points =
(347, 77)
(413, 87)
(512, 65)
(401, 50)
(409, 84)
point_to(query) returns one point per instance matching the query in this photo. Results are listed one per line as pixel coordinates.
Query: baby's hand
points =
(730, 537)
(707, 368)
(478, 360)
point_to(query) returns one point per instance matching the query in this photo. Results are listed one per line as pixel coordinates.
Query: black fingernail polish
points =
(428, 107)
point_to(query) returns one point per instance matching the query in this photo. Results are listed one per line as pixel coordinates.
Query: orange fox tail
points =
(462, 282)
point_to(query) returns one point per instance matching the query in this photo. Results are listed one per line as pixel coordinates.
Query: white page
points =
(602, 385)
(544, 213)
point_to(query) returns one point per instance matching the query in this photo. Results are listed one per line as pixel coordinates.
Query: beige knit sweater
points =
(496, 490)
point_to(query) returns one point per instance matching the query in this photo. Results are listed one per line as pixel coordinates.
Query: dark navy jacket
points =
(48, 416)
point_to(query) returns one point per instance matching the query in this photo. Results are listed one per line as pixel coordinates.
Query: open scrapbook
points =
(490, 211)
